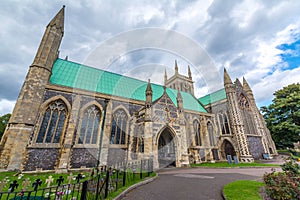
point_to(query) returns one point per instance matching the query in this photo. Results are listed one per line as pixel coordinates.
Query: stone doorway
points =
(228, 149)
(166, 149)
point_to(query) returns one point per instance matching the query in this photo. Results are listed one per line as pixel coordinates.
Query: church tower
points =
(236, 119)
(24, 116)
(180, 82)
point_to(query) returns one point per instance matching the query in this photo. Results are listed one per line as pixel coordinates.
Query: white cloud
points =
(6, 106)
(264, 90)
(241, 35)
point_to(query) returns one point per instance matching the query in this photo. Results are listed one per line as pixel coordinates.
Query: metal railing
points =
(106, 180)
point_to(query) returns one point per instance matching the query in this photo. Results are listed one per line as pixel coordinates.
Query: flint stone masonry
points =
(116, 155)
(50, 93)
(256, 147)
(41, 158)
(84, 157)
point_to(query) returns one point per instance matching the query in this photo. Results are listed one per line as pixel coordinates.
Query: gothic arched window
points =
(210, 133)
(141, 145)
(224, 125)
(89, 126)
(247, 115)
(221, 121)
(118, 127)
(53, 123)
(196, 125)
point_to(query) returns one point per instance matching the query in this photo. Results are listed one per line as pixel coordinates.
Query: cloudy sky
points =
(259, 40)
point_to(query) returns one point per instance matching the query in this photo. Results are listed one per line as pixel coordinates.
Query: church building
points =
(72, 116)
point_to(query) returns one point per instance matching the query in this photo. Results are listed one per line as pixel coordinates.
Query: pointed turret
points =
(227, 79)
(148, 102)
(238, 83)
(166, 77)
(247, 89)
(189, 72)
(179, 101)
(176, 68)
(48, 49)
(148, 94)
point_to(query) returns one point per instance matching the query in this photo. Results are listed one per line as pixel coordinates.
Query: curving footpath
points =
(195, 183)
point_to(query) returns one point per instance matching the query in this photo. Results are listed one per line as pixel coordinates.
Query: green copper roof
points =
(74, 75)
(213, 97)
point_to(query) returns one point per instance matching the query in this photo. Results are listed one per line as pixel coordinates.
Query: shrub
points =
(286, 184)
(290, 166)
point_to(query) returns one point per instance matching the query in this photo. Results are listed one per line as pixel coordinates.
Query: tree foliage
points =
(3, 122)
(283, 116)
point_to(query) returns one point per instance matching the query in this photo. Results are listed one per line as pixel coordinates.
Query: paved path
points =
(193, 183)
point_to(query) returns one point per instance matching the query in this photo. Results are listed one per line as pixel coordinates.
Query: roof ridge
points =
(104, 70)
(212, 93)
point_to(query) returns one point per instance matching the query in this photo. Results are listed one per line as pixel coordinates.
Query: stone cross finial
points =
(70, 178)
(25, 184)
(49, 180)
(2, 184)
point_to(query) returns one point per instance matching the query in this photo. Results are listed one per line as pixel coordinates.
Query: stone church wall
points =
(84, 157)
(255, 147)
(116, 156)
(41, 158)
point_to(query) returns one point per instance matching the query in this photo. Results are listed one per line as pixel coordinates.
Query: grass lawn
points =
(225, 164)
(243, 189)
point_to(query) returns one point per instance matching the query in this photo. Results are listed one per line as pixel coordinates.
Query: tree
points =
(283, 116)
(3, 122)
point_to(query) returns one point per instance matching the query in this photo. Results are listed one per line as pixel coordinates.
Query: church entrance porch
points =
(166, 149)
(227, 149)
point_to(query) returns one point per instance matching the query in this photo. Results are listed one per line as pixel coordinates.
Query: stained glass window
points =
(197, 133)
(226, 124)
(89, 127)
(119, 127)
(141, 145)
(52, 123)
(223, 120)
(211, 133)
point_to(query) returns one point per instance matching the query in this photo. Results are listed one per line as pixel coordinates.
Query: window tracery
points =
(89, 127)
(198, 141)
(53, 123)
(119, 127)
(210, 133)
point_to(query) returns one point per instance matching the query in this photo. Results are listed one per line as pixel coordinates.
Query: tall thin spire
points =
(48, 49)
(176, 67)
(189, 72)
(58, 20)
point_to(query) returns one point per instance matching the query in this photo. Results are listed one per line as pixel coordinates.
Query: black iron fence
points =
(101, 183)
